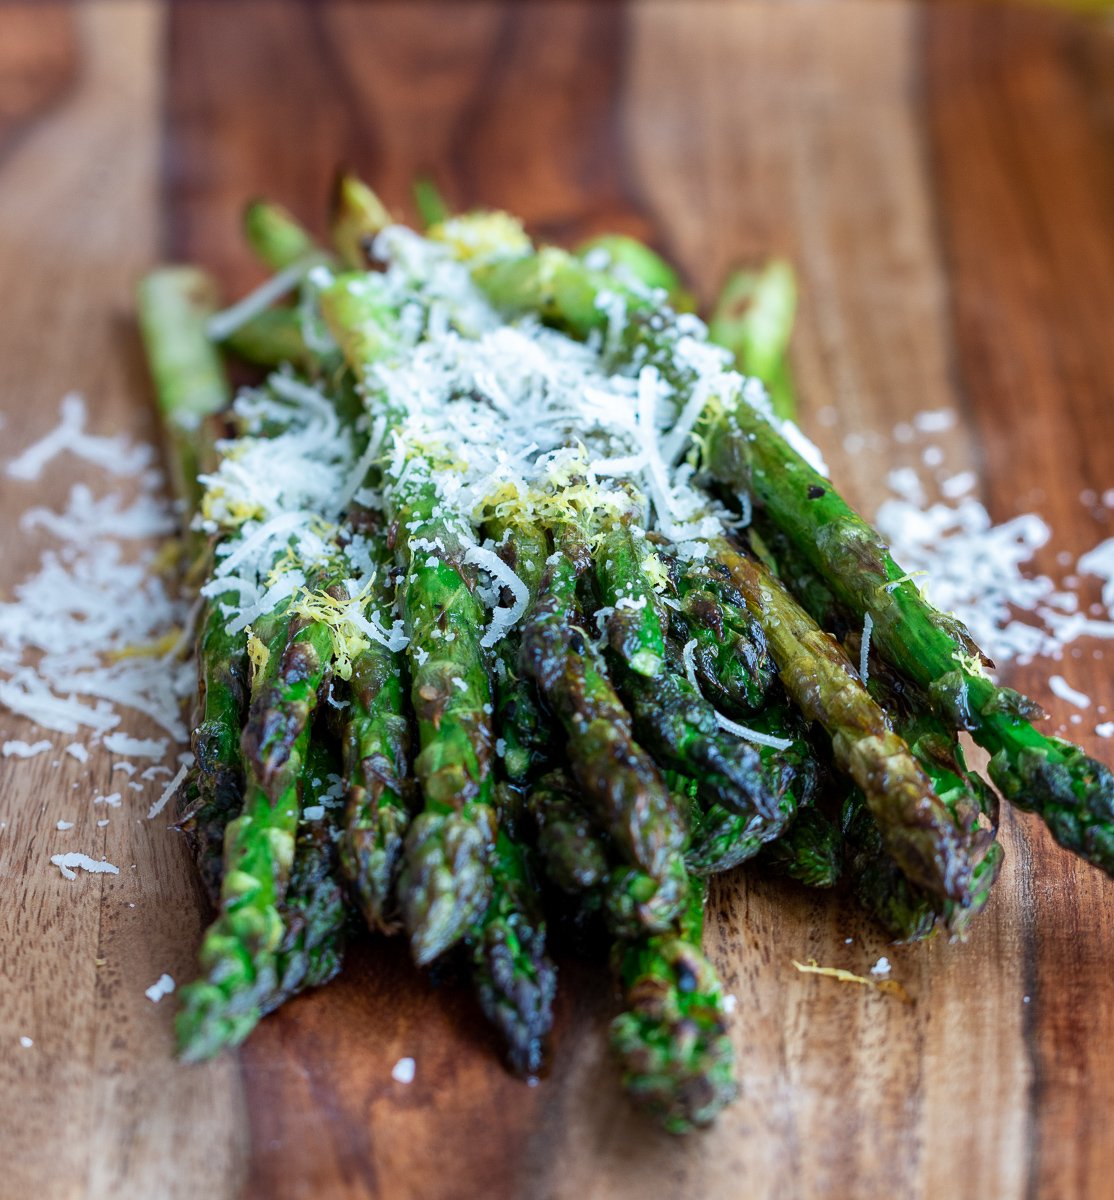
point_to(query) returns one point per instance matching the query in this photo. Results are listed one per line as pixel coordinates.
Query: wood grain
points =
(95, 1107)
(942, 177)
(1020, 115)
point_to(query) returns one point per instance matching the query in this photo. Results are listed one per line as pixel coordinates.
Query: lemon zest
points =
(156, 649)
(890, 986)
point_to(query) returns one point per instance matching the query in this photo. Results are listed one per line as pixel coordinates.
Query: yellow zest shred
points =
(155, 649)
(348, 641)
(482, 235)
(168, 557)
(908, 577)
(258, 652)
(890, 986)
(568, 498)
(655, 571)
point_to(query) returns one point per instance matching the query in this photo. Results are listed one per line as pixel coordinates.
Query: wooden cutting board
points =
(943, 178)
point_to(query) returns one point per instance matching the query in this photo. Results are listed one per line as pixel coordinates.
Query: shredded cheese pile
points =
(68, 638)
(983, 572)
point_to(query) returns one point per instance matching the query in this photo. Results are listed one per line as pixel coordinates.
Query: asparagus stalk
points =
(445, 882)
(174, 304)
(191, 388)
(616, 774)
(515, 980)
(720, 838)
(668, 711)
(357, 216)
(271, 339)
(239, 950)
(222, 687)
(753, 318)
(671, 1041)
(1072, 792)
(375, 741)
(809, 851)
(625, 256)
(314, 912)
(730, 657)
(524, 547)
(916, 826)
(906, 910)
(276, 237)
(574, 855)
(431, 206)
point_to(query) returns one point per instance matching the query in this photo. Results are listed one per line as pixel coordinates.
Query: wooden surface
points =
(943, 179)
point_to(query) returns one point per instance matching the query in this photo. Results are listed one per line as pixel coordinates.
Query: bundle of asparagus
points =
(521, 600)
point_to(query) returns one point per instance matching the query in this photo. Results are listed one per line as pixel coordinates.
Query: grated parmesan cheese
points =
(163, 986)
(752, 735)
(18, 749)
(122, 743)
(69, 864)
(864, 648)
(1059, 686)
(115, 454)
(404, 1070)
(167, 792)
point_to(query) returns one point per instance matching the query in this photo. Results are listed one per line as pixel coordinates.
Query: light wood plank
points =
(96, 1107)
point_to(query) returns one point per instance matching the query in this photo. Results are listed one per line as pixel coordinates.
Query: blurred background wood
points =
(943, 177)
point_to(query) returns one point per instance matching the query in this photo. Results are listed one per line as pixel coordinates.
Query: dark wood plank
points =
(1020, 105)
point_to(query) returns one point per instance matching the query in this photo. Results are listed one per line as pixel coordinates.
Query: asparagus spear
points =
(375, 742)
(191, 388)
(753, 318)
(276, 237)
(222, 687)
(719, 838)
(574, 856)
(671, 1041)
(809, 851)
(730, 657)
(271, 339)
(1072, 792)
(239, 951)
(515, 980)
(174, 305)
(445, 883)
(617, 776)
(524, 547)
(581, 859)
(916, 826)
(625, 256)
(907, 911)
(668, 711)
(308, 943)
(431, 206)
(357, 216)
(314, 913)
